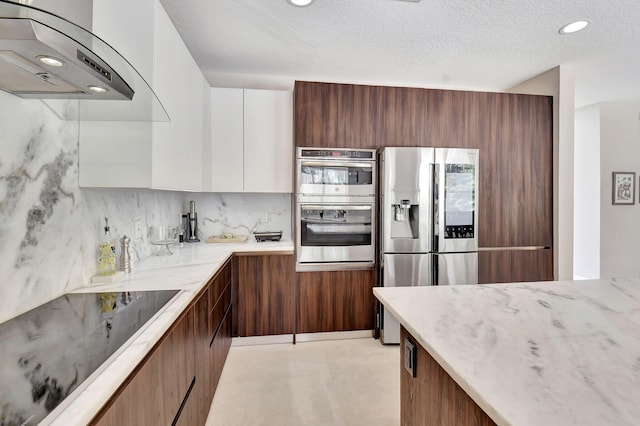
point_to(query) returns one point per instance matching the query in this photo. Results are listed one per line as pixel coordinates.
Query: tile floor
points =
(335, 382)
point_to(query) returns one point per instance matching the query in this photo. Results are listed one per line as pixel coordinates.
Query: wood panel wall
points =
(513, 132)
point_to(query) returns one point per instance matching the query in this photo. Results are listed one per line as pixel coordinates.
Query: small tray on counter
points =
(268, 236)
(227, 238)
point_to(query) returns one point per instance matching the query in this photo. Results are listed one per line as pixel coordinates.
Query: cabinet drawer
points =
(219, 310)
(218, 351)
(219, 284)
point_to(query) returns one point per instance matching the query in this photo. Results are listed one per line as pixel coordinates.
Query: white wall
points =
(586, 249)
(559, 83)
(619, 224)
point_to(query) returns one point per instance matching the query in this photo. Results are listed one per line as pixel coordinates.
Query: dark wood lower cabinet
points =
(335, 301)
(153, 394)
(264, 296)
(505, 266)
(432, 397)
(175, 383)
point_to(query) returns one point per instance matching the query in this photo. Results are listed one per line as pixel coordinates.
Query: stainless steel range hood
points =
(44, 56)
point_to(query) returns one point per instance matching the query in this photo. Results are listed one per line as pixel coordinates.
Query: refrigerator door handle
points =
(435, 272)
(435, 208)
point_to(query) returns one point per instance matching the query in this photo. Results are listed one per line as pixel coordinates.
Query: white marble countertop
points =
(551, 353)
(188, 269)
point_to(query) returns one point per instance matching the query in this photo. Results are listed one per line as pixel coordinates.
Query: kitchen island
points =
(547, 353)
(188, 270)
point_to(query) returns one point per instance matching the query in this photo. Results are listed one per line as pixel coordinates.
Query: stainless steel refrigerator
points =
(429, 221)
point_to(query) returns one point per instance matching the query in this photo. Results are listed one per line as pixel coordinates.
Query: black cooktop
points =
(47, 352)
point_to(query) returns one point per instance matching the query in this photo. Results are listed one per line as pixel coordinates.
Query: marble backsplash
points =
(50, 228)
(242, 214)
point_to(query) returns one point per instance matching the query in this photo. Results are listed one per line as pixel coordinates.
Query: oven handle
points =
(334, 207)
(335, 163)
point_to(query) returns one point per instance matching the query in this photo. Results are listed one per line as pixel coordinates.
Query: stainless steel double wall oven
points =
(335, 209)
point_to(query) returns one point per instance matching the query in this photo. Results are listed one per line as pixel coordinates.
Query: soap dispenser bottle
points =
(106, 252)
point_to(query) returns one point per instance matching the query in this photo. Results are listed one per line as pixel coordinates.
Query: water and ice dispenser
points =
(406, 219)
(401, 211)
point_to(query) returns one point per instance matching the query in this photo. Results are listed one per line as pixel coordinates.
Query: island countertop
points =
(187, 270)
(548, 353)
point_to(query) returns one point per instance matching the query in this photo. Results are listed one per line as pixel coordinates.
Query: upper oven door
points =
(336, 177)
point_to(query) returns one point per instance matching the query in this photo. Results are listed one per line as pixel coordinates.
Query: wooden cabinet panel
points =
(219, 338)
(191, 412)
(533, 265)
(531, 161)
(178, 378)
(316, 114)
(335, 301)
(494, 267)
(516, 165)
(178, 361)
(401, 117)
(154, 393)
(265, 295)
(484, 113)
(507, 266)
(356, 120)
(218, 351)
(201, 392)
(446, 119)
(433, 397)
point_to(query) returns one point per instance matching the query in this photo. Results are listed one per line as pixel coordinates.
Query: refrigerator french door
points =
(429, 216)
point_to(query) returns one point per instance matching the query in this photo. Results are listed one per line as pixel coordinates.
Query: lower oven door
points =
(335, 236)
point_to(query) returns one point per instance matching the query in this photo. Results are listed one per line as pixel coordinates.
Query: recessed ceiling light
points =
(573, 27)
(50, 60)
(300, 3)
(98, 89)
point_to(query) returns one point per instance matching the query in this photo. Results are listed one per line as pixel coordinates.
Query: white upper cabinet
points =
(251, 140)
(227, 145)
(160, 155)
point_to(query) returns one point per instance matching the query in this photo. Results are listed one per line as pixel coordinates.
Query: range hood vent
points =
(43, 56)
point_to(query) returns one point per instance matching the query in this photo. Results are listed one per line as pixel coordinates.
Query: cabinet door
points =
(316, 115)
(219, 350)
(505, 266)
(200, 395)
(532, 265)
(177, 145)
(268, 141)
(494, 267)
(156, 391)
(431, 397)
(265, 295)
(132, 154)
(335, 301)
(227, 150)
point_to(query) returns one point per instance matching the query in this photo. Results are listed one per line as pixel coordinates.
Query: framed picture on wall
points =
(624, 188)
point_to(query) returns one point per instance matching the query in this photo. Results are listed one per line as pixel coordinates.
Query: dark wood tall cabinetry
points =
(513, 132)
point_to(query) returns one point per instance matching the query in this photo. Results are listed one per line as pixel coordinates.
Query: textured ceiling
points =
(462, 44)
